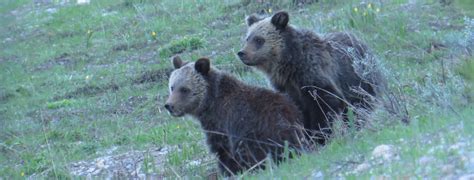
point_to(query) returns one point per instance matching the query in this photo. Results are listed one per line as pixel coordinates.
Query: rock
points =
(7, 40)
(467, 177)
(448, 169)
(83, 2)
(100, 163)
(361, 167)
(426, 160)
(316, 175)
(457, 146)
(51, 10)
(386, 152)
(90, 170)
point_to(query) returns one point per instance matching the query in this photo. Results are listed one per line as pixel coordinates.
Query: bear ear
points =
(202, 65)
(177, 62)
(280, 19)
(252, 19)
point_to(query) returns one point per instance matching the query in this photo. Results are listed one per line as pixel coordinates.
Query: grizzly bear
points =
(320, 74)
(243, 124)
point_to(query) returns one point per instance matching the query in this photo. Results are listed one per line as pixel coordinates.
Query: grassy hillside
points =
(82, 86)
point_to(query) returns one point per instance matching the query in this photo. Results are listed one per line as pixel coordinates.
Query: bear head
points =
(187, 86)
(264, 39)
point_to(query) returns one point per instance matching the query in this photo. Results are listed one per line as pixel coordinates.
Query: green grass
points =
(181, 45)
(86, 79)
(423, 135)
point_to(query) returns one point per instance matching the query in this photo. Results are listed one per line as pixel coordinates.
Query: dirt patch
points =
(89, 90)
(6, 96)
(127, 106)
(8, 58)
(66, 34)
(435, 46)
(153, 76)
(139, 45)
(65, 59)
(221, 23)
(47, 116)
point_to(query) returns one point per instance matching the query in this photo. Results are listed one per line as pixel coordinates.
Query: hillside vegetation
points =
(82, 87)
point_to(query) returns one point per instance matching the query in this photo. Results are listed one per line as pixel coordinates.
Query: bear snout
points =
(241, 55)
(245, 57)
(169, 107)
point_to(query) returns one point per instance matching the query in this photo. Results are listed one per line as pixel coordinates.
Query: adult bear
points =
(319, 73)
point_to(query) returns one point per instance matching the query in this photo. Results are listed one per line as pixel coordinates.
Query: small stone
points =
(90, 170)
(317, 175)
(447, 169)
(100, 163)
(426, 160)
(97, 171)
(51, 10)
(386, 152)
(83, 2)
(467, 177)
(456, 147)
(361, 167)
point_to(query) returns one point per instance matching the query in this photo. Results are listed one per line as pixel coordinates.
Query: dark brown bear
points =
(319, 73)
(243, 124)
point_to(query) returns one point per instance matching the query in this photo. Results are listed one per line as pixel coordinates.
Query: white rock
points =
(90, 170)
(52, 10)
(426, 160)
(448, 169)
(83, 1)
(386, 152)
(317, 175)
(467, 177)
(361, 167)
(456, 147)
(100, 163)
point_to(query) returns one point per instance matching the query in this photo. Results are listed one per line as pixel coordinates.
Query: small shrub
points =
(181, 45)
(59, 104)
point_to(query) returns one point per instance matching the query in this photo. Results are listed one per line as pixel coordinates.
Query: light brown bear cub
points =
(243, 124)
(318, 73)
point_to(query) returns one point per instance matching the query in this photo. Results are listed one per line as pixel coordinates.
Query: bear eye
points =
(259, 41)
(184, 90)
(172, 88)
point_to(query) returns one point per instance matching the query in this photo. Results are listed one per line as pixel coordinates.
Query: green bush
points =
(185, 44)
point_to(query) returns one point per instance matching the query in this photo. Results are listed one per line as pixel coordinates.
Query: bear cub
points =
(243, 124)
(318, 73)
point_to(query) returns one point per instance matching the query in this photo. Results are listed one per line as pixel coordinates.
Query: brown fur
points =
(316, 72)
(242, 123)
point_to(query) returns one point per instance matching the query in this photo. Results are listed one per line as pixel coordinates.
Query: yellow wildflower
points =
(153, 34)
(89, 31)
(378, 9)
(88, 77)
(177, 127)
(365, 14)
(369, 5)
(270, 10)
(355, 9)
(22, 174)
